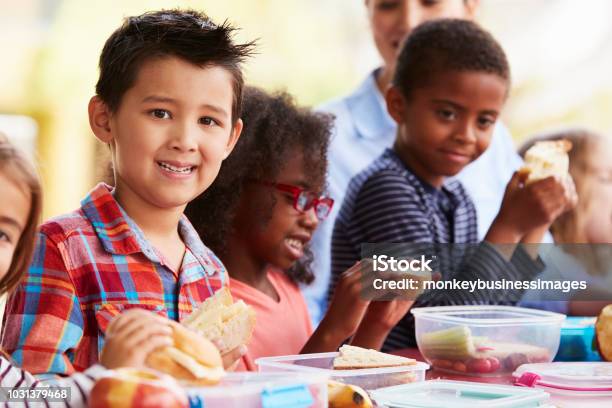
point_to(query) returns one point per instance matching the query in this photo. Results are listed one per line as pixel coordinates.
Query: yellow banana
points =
(347, 396)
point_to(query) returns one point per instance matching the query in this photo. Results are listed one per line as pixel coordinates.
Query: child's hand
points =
(380, 318)
(131, 336)
(385, 315)
(231, 358)
(347, 307)
(344, 313)
(531, 208)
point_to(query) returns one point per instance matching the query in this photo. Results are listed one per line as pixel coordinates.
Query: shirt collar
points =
(203, 254)
(113, 227)
(120, 235)
(449, 185)
(369, 110)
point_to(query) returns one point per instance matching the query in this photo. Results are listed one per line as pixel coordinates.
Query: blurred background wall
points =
(560, 52)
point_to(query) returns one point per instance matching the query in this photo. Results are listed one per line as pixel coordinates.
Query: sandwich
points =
(226, 323)
(192, 358)
(547, 158)
(352, 357)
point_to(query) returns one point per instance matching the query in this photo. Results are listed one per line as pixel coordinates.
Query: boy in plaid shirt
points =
(168, 106)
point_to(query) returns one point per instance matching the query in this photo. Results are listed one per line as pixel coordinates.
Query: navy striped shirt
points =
(387, 203)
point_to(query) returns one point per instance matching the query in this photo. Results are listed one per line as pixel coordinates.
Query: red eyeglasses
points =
(304, 200)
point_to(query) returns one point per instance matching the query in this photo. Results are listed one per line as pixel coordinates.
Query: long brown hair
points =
(15, 165)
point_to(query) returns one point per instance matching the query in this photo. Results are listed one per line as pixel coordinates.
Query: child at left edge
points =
(168, 106)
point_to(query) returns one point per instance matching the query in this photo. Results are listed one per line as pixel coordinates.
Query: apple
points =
(137, 388)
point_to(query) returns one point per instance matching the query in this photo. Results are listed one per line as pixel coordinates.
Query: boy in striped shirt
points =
(450, 85)
(168, 106)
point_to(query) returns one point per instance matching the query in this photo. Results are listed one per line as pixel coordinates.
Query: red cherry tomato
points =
(446, 364)
(459, 366)
(479, 365)
(495, 364)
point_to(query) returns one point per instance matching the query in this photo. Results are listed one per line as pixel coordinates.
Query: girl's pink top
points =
(282, 327)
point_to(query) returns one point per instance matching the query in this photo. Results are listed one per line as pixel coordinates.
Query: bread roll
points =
(227, 323)
(192, 358)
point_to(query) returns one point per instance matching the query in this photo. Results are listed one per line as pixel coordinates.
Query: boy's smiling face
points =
(448, 123)
(170, 133)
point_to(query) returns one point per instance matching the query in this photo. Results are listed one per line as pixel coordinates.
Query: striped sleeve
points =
(43, 317)
(78, 384)
(385, 209)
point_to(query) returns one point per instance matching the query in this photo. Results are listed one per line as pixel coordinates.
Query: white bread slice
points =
(222, 298)
(352, 357)
(228, 324)
(547, 158)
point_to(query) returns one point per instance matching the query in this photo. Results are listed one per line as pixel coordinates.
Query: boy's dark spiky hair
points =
(274, 128)
(186, 34)
(447, 45)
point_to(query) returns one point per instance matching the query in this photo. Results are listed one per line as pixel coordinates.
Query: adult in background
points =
(363, 129)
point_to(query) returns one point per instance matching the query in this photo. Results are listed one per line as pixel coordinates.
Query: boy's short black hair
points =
(444, 45)
(274, 127)
(186, 34)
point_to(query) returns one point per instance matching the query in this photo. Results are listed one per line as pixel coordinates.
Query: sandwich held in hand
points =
(191, 358)
(134, 388)
(227, 323)
(547, 158)
(352, 357)
(603, 332)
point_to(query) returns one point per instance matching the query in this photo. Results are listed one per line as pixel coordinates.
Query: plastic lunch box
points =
(262, 390)
(484, 340)
(367, 378)
(583, 385)
(577, 340)
(459, 394)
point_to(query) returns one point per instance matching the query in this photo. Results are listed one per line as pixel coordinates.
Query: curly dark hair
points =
(445, 45)
(186, 34)
(273, 128)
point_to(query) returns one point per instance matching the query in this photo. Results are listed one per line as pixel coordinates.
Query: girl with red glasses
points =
(259, 217)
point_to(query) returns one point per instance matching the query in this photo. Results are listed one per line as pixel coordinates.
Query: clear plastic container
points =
(459, 394)
(577, 340)
(486, 340)
(366, 378)
(583, 385)
(257, 390)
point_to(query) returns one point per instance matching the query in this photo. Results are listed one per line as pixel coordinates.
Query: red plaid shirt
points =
(89, 266)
